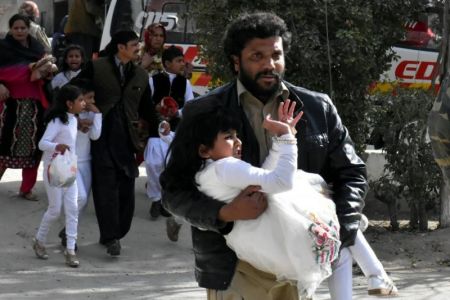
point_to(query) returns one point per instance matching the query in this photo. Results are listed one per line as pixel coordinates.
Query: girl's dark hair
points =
(59, 107)
(64, 66)
(17, 17)
(200, 128)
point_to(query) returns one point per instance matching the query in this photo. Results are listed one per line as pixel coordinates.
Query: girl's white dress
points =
(62, 78)
(297, 237)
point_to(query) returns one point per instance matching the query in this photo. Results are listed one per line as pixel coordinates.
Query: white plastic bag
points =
(62, 170)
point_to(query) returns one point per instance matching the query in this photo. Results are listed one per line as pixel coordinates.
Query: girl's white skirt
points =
(296, 238)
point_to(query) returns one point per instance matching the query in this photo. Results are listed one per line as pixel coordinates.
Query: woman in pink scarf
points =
(22, 103)
(154, 39)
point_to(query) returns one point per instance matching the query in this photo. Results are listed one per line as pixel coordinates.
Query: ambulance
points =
(138, 14)
(416, 56)
(414, 65)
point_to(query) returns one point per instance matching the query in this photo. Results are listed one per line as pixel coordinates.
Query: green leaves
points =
(402, 118)
(360, 35)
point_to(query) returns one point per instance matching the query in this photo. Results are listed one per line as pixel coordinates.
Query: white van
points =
(417, 55)
(172, 14)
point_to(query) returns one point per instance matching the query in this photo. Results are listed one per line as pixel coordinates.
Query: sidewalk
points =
(150, 267)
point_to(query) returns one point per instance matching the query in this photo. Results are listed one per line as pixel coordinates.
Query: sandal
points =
(28, 196)
(71, 260)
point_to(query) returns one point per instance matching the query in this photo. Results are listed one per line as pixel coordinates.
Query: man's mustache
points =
(268, 73)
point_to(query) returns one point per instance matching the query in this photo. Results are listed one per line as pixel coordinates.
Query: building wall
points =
(46, 7)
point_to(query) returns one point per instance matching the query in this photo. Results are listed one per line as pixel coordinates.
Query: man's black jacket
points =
(324, 147)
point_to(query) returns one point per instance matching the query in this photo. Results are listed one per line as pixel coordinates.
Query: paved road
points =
(150, 267)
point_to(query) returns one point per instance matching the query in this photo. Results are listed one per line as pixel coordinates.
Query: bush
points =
(411, 171)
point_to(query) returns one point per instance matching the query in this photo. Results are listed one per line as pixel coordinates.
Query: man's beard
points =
(251, 84)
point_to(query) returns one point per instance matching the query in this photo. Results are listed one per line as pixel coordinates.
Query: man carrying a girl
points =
(324, 147)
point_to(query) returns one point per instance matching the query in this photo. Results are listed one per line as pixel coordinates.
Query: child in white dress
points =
(297, 237)
(293, 239)
(60, 136)
(72, 63)
(89, 128)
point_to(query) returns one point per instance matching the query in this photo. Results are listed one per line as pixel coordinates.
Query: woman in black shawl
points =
(22, 103)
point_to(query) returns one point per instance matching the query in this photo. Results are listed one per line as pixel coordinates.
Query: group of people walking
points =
(264, 171)
(116, 113)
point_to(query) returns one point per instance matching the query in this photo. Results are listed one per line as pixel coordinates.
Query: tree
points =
(339, 47)
(411, 171)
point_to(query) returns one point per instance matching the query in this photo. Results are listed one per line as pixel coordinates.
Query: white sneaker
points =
(363, 223)
(379, 286)
(39, 249)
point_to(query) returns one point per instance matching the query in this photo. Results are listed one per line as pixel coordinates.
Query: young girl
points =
(307, 202)
(72, 63)
(60, 136)
(297, 237)
(89, 128)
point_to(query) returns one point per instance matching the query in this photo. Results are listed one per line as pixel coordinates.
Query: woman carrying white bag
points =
(58, 145)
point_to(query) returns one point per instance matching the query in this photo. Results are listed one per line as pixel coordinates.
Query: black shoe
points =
(155, 210)
(113, 248)
(172, 229)
(63, 237)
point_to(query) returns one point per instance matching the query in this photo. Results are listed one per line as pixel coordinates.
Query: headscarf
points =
(148, 38)
(13, 52)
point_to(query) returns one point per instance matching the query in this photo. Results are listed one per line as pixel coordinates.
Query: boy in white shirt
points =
(170, 92)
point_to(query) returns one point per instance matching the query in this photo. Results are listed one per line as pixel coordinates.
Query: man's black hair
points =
(171, 53)
(120, 37)
(249, 26)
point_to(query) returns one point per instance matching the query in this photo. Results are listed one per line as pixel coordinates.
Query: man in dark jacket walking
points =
(123, 96)
(256, 45)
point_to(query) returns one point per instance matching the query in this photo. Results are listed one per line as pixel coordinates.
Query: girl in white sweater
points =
(60, 136)
(71, 65)
(89, 128)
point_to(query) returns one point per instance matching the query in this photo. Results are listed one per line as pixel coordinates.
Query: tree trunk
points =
(423, 216)
(413, 215)
(444, 219)
(392, 207)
